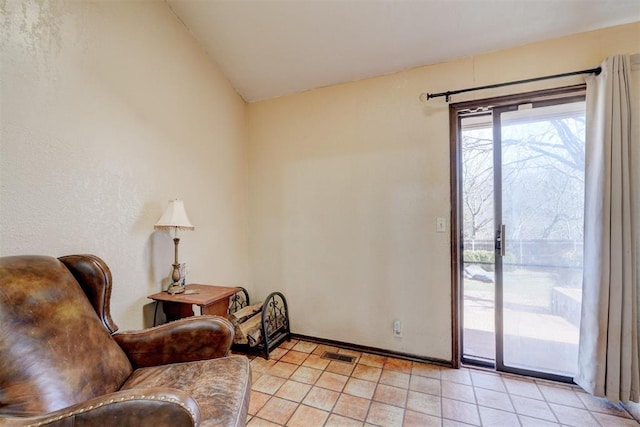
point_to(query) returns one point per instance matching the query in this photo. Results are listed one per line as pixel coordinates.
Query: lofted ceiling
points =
(270, 48)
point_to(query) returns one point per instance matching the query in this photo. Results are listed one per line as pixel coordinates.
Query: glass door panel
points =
(541, 203)
(478, 279)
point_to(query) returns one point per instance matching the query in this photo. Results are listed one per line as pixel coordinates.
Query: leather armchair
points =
(63, 361)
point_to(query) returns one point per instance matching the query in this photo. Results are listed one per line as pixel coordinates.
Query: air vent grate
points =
(338, 357)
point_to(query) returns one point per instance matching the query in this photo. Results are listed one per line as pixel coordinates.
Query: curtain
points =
(608, 361)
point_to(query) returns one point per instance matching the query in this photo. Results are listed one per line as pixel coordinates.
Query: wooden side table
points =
(211, 299)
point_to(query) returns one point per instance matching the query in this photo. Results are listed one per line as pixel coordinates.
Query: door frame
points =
(455, 149)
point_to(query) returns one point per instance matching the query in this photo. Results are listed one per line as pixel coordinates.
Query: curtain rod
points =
(447, 95)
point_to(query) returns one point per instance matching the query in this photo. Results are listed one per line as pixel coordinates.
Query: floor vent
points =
(338, 357)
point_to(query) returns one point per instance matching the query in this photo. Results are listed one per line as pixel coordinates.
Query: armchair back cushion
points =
(54, 351)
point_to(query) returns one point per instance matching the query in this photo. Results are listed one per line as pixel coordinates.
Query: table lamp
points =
(175, 218)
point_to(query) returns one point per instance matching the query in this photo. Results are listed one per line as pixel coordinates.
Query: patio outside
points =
(541, 316)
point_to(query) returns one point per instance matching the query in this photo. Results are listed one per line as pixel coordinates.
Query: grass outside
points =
(523, 286)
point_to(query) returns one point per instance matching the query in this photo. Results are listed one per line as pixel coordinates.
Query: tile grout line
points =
(544, 399)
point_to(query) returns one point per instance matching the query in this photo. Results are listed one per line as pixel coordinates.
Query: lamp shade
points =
(174, 217)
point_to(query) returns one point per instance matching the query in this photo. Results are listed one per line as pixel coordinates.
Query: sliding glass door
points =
(539, 210)
(522, 198)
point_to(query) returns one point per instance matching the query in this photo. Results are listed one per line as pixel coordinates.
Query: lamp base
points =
(176, 288)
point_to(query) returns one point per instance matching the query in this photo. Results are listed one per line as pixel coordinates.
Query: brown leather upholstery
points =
(94, 277)
(63, 363)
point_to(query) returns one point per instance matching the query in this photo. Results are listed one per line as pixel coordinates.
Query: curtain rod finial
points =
(424, 97)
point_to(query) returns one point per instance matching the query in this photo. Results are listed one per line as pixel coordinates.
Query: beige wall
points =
(108, 110)
(346, 183)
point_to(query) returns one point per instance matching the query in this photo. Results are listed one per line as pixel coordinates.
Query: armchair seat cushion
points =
(219, 386)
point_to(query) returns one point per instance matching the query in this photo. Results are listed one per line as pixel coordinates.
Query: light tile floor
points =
(297, 387)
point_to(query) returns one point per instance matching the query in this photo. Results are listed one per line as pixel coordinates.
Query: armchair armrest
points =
(130, 408)
(185, 340)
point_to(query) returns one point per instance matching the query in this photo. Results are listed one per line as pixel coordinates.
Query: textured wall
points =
(346, 183)
(107, 111)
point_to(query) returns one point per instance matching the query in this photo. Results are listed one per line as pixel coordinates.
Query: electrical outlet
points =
(397, 328)
(441, 225)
